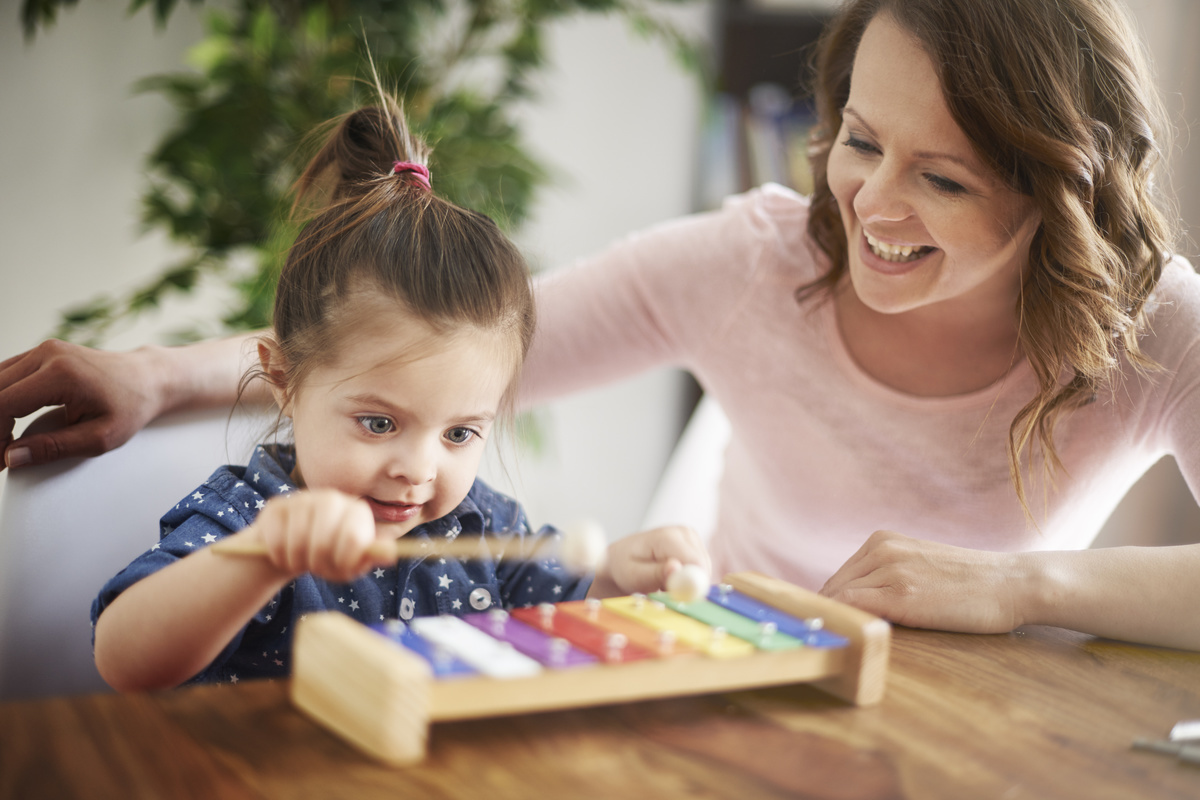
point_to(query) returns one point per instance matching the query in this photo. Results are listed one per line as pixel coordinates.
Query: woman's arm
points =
(104, 398)
(1136, 594)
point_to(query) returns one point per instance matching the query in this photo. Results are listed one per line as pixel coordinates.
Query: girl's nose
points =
(881, 198)
(413, 461)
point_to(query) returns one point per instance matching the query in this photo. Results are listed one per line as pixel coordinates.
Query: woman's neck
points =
(932, 351)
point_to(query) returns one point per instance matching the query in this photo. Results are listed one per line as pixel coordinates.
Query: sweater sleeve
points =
(1175, 345)
(654, 298)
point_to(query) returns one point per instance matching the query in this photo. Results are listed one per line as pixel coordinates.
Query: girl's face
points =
(399, 417)
(928, 225)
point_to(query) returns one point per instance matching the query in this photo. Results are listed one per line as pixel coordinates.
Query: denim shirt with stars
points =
(230, 500)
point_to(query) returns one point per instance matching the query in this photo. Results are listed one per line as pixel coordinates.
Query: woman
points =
(972, 336)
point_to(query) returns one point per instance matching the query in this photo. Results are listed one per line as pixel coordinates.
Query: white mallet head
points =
(688, 584)
(583, 547)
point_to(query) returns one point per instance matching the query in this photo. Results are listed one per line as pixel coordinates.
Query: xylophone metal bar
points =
(382, 698)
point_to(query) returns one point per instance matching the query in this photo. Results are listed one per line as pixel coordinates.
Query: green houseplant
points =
(269, 71)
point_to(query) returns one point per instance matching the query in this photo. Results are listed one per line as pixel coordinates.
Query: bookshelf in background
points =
(756, 124)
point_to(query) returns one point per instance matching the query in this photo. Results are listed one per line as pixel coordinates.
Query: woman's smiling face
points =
(926, 221)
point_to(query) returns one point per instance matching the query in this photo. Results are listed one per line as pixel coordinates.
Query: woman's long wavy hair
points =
(1058, 100)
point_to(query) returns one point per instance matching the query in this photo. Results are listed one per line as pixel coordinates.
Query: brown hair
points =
(1057, 99)
(382, 231)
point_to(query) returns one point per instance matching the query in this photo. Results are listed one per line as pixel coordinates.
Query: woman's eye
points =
(378, 425)
(945, 185)
(860, 145)
(460, 435)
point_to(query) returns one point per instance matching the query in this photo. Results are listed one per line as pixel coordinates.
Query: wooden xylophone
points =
(379, 687)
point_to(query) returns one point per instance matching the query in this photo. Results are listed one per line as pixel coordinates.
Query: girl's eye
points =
(460, 435)
(945, 185)
(376, 425)
(860, 145)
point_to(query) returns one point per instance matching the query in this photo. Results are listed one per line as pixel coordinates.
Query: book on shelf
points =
(763, 139)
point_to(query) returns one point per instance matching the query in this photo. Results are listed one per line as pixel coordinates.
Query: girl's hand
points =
(931, 585)
(642, 562)
(321, 531)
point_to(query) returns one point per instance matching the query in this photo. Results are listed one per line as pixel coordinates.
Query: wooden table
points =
(1039, 713)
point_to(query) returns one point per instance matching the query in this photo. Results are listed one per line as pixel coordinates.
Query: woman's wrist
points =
(203, 375)
(1042, 589)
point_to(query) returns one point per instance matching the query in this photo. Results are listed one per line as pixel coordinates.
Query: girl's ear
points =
(274, 366)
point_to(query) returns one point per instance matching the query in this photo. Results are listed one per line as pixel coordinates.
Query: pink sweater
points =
(821, 454)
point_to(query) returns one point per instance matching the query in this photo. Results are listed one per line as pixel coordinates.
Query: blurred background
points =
(629, 137)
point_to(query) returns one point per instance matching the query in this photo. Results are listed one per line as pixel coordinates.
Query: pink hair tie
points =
(419, 170)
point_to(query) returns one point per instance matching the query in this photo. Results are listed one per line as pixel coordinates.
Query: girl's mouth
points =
(392, 512)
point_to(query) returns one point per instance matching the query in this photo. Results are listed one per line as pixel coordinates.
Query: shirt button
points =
(406, 608)
(480, 599)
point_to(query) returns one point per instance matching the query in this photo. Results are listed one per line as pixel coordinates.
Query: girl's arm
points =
(107, 397)
(1136, 594)
(168, 626)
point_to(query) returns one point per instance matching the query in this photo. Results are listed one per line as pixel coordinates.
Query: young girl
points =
(401, 322)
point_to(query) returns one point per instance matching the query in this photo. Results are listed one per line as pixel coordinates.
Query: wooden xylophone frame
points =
(381, 698)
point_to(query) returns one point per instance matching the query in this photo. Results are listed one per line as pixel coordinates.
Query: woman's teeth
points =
(899, 253)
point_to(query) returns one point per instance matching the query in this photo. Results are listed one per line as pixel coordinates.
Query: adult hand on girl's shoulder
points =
(642, 562)
(322, 531)
(925, 584)
(103, 399)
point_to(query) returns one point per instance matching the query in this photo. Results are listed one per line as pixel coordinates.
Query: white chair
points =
(66, 528)
(687, 491)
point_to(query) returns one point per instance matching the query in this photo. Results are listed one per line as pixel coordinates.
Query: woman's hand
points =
(104, 398)
(322, 531)
(642, 562)
(931, 585)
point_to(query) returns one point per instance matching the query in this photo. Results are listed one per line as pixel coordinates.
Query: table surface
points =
(1038, 713)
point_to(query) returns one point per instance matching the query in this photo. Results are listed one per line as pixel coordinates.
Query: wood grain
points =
(1039, 713)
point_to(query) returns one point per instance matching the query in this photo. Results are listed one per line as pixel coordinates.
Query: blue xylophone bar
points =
(443, 663)
(809, 631)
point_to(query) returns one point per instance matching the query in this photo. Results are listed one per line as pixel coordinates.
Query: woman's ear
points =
(274, 366)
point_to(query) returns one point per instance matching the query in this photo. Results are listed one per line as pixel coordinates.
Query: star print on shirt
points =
(285, 488)
(209, 538)
(378, 573)
(445, 581)
(354, 605)
(456, 605)
(197, 496)
(259, 503)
